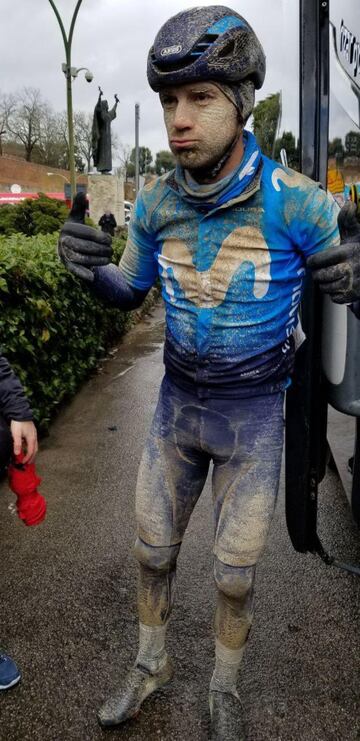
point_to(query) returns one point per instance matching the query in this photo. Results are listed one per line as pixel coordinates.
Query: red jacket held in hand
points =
(23, 481)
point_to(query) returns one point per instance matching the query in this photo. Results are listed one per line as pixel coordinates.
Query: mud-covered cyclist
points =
(229, 233)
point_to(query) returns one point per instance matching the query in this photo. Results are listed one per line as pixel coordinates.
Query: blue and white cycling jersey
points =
(231, 258)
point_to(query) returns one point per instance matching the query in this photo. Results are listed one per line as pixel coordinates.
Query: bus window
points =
(344, 123)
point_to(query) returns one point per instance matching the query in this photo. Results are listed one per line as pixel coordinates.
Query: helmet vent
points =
(203, 44)
(227, 50)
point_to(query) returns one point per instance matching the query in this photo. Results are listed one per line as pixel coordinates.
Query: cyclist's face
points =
(201, 123)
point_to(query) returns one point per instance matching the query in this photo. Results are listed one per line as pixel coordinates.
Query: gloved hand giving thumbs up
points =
(82, 248)
(337, 270)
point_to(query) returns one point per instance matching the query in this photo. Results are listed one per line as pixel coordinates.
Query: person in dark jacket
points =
(108, 223)
(17, 430)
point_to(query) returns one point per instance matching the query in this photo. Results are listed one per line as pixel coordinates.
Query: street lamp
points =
(137, 162)
(58, 175)
(75, 70)
(70, 75)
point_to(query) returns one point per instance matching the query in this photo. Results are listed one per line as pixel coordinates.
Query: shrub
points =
(52, 330)
(7, 219)
(41, 215)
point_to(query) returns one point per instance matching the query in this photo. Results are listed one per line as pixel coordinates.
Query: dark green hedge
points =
(41, 215)
(52, 330)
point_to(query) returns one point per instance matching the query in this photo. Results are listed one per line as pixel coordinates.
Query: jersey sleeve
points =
(138, 263)
(315, 226)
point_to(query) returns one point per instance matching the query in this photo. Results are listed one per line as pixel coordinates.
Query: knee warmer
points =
(156, 558)
(235, 582)
(6, 444)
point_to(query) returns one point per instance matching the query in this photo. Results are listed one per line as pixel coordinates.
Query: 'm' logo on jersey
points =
(208, 288)
(171, 50)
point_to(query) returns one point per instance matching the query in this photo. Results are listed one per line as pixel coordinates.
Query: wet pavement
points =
(68, 590)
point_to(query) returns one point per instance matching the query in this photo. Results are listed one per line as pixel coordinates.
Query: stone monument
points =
(101, 133)
(106, 192)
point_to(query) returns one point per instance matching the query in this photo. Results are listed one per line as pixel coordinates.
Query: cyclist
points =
(229, 233)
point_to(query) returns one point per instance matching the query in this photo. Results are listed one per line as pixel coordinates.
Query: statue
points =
(101, 134)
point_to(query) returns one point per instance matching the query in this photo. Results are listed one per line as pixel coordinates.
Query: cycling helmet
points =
(206, 43)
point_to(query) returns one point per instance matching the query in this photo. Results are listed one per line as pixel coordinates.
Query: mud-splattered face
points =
(201, 123)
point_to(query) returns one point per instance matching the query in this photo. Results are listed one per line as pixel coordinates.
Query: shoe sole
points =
(12, 684)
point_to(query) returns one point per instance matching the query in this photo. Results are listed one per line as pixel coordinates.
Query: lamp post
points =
(58, 175)
(137, 162)
(70, 74)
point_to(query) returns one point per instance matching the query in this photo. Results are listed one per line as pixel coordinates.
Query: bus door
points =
(326, 367)
(306, 405)
(341, 324)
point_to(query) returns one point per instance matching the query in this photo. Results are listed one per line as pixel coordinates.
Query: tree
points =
(43, 133)
(52, 148)
(126, 167)
(7, 105)
(287, 141)
(266, 115)
(145, 159)
(130, 170)
(83, 137)
(336, 147)
(164, 162)
(352, 143)
(26, 119)
(62, 130)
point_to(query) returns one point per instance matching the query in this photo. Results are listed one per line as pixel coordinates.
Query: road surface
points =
(68, 590)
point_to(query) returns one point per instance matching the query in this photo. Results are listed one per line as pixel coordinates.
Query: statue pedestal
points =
(106, 193)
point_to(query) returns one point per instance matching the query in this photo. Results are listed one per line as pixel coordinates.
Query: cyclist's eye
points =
(202, 97)
(167, 100)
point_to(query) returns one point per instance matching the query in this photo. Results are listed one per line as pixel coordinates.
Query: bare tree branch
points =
(25, 120)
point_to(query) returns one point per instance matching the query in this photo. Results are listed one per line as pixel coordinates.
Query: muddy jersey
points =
(231, 260)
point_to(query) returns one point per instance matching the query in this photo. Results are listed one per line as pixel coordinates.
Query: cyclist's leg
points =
(171, 477)
(245, 486)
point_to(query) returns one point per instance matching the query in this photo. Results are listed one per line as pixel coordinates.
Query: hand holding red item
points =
(23, 481)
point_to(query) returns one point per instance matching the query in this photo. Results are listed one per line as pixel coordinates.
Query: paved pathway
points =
(68, 591)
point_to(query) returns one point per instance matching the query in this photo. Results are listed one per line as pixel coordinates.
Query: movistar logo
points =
(207, 289)
(171, 50)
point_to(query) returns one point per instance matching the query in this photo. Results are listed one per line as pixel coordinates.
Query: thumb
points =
(78, 210)
(349, 226)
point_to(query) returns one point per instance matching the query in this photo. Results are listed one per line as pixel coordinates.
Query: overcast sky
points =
(112, 39)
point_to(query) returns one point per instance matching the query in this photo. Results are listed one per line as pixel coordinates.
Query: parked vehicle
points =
(128, 208)
(326, 375)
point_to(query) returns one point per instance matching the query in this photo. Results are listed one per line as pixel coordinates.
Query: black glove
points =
(82, 248)
(337, 270)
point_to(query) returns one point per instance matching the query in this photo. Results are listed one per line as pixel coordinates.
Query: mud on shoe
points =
(137, 685)
(227, 720)
(9, 673)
